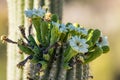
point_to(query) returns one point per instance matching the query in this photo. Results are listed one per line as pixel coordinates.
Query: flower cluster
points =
(87, 43)
(35, 13)
(72, 41)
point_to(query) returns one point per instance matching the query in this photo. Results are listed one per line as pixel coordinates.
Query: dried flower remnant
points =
(22, 30)
(5, 39)
(48, 16)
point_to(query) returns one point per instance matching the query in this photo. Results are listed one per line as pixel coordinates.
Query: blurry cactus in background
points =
(49, 49)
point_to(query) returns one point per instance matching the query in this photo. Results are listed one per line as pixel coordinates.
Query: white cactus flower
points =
(55, 24)
(82, 30)
(78, 44)
(39, 12)
(71, 27)
(103, 42)
(63, 28)
(78, 29)
(29, 13)
(35, 12)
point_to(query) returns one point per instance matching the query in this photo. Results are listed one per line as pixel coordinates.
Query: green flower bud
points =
(44, 64)
(44, 33)
(32, 41)
(54, 18)
(71, 53)
(105, 49)
(55, 33)
(46, 57)
(24, 48)
(66, 66)
(96, 35)
(36, 22)
(93, 55)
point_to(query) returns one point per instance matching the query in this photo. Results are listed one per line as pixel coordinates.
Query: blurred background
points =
(101, 14)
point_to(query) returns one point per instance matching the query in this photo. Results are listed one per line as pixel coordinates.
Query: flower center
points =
(78, 44)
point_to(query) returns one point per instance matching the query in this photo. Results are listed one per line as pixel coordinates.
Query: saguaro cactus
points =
(59, 51)
(16, 17)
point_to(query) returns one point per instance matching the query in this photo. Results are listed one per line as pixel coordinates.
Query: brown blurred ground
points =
(102, 14)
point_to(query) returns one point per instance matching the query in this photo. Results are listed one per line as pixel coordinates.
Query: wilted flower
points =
(79, 44)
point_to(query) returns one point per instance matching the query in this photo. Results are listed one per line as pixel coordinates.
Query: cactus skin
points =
(16, 17)
(11, 57)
